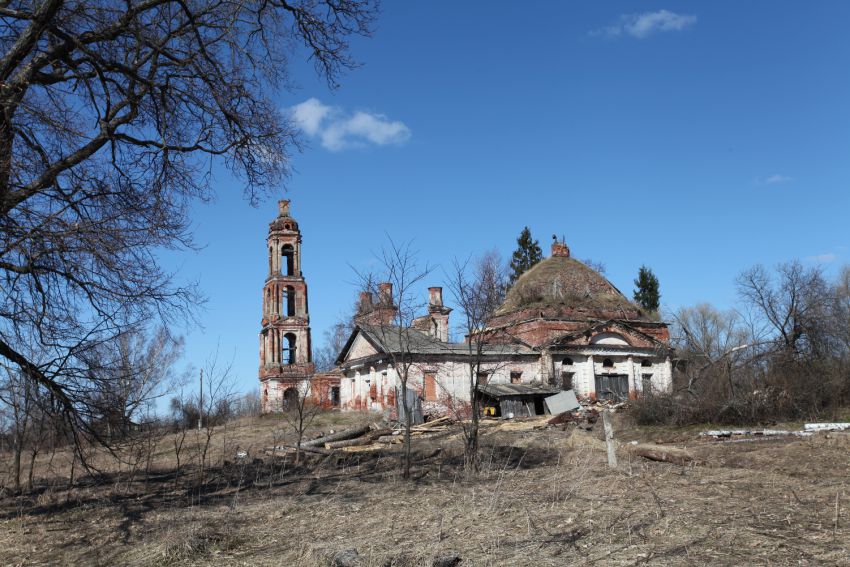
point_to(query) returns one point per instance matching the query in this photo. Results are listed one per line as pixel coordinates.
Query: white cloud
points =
(827, 258)
(774, 179)
(338, 129)
(648, 23)
(309, 115)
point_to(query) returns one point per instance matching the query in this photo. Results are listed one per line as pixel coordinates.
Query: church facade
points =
(562, 326)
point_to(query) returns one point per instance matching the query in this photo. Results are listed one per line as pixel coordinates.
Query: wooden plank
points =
(609, 440)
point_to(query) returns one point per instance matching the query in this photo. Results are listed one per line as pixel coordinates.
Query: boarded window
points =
(614, 387)
(483, 377)
(516, 377)
(646, 383)
(430, 388)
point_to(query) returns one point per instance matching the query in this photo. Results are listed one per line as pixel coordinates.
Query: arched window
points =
(271, 256)
(287, 301)
(288, 256)
(288, 350)
(290, 398)
(567, 362)
(645, 363)
(607, 363)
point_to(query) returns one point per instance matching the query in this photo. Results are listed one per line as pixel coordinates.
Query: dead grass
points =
(543, 498)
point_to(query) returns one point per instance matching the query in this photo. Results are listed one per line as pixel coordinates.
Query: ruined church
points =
(562, 326)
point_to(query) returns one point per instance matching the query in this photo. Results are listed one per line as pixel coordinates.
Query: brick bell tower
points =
(286, 360)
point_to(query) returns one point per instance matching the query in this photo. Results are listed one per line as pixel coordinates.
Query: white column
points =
(590, 376)
(630, 367)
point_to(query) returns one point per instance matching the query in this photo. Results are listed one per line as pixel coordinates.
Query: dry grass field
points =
(544, 497)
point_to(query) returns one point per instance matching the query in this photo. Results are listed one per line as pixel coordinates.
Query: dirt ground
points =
(544, 497)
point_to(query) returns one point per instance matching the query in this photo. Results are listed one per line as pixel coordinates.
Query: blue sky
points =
(696, 138)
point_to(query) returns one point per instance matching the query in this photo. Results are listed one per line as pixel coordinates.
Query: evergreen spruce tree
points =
(527, 254)
(646, 293)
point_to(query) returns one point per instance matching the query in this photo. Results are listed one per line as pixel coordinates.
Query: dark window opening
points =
(646, 383)
(645, 363)
(335, 396)
(288, 255)
(287, 301)
(289, 349)
(567, 380)
(607, 363)
(516, 377)
(290, 398)
(567, 362)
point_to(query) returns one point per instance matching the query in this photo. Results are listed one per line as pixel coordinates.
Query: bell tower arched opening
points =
(287, 264)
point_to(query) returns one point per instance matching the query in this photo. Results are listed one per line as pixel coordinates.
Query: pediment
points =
(609, 333)
(360, 348)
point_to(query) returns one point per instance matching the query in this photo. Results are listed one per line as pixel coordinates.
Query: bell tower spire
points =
(286, 359)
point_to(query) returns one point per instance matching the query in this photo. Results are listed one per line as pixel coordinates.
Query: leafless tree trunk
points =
(110, 117)
(478, 290)
(398, 266)
(300, 412)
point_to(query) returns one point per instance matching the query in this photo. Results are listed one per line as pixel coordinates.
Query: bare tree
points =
(335, 337)
(392, 319)
(127, 375)
(706, 337)
(17, 396)
(214, 404)
(111, 115)
(595, 265)
(299, 411)
(788, 304)
(840, 320)
(478, 291)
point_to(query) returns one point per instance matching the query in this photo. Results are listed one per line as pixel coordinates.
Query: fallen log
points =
(840, 426)
(363, 440)
(291, 449)
(660, 453)
(718, 433)
(347, 434)
(433, 422)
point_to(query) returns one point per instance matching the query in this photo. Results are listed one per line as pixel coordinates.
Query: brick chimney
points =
(382, 312)
(385, 293)
(435, 297)
(438, 314)
(365, 305)
(560, 248)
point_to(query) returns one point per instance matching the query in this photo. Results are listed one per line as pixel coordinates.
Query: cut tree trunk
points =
(342, 435)
(663, 454)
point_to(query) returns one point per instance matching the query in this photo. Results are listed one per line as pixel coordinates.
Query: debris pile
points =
(750, 435)
(368, 437)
